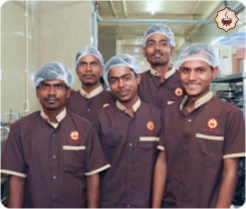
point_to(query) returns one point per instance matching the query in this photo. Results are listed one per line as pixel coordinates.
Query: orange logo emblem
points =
(106, 105)
(74, 135)
(212, 123)
(150, 125)
(226, 19)
(179, 91)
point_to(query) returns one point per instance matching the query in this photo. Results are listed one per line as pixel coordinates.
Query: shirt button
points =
(53, 135)
(54, 156)
(128, 206)
(160, 106)
(54, 177)
(129, 185)
(183, 161)
(88, 110)
(130, 165)
(130, 124)
(186, 141)
(189, 120)
(159, 88)
(156, 73)
(130, 144)
(179, 203)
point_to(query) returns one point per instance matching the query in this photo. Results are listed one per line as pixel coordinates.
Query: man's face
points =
(123, 83)
(52, 94)
(196, 76)
(89, 70)
(158, 50)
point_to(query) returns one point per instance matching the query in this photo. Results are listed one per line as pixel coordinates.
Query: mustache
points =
(51, 97)
(157, 52)
(93, 75)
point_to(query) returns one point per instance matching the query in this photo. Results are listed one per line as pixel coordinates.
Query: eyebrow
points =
(89, 62)
(152, 40)
(112, 77)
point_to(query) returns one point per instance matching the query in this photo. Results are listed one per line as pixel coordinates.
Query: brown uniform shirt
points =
(152, 91)
(195, 146)
(86, 105)
(130, 145)
(55, 162)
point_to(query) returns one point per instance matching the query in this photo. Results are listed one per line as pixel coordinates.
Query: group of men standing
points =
(157, 139)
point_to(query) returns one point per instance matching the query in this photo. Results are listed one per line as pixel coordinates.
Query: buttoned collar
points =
(201, 101)
(134, 107)
(167, 75)
(95, 92)
(59, 117)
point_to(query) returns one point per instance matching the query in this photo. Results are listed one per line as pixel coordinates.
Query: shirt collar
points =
(59, 117)
(95, 92)
(201, 101)
(134, 107)
(167, 75)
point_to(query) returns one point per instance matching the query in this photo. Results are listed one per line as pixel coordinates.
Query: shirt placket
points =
(183, 164)
(131, 156)
(54, 151)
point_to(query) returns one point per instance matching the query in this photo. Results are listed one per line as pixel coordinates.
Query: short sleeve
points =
(234, 136)
(12, 161)
(96, 160)
(161, 143)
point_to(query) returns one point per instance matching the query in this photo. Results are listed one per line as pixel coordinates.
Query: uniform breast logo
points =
(212, 123)
(179, 91)
(106, 105)
(74, 135)
(226, 19)
(150, 125)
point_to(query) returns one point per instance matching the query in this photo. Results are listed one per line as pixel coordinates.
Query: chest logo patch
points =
(106, 105)
(179, 91)
(212, 123)
(74, 135)
(150, 125)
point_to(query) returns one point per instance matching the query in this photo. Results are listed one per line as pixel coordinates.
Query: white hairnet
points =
(89, 50)
(161, 29)
(198, 51)
(121, 60)
(54, 70)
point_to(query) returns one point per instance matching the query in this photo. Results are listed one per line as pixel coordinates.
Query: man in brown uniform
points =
(91, 97)
(203, 138)
(53, 155)
(160, 86)
(129, 131)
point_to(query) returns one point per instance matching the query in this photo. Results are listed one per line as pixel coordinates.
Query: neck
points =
(52, 114)
(89, 88)
(191, 104)
(161, 69)
(129, 104)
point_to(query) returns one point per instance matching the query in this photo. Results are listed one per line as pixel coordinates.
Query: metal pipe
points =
(95, 41)
(26, 107)
(99, 19)
(158, 21)
(124, 7)
(236, 7)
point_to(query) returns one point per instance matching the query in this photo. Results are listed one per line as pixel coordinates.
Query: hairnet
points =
(121, 60)
(54, 70)
(89, 50)
(198, 51)
(161, 29)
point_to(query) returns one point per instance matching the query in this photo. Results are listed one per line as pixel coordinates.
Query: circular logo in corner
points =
(212, 123)
(74, 135)
(179, 91)
(106, 105)
(150, 125)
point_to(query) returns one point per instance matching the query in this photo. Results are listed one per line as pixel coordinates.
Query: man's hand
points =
(228, 183)
(93, 191)
(16, 192)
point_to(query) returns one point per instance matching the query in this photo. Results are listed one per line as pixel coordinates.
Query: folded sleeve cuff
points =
(14, 173)
(160, 147)
(234, 155)
(97, 170)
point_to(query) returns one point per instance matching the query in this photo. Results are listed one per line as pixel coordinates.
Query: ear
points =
(68, 93)
(77, 70)
(172, 51)
(37, 92)
(214, 72)
(144, 53)
(102, 69)
(138, 78)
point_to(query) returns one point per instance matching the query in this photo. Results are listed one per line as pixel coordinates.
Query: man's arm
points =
(93, 191)
(16, 192)
(160, 174)
(228, 184)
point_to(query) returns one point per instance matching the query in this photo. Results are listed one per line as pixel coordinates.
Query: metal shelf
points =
(237, 77)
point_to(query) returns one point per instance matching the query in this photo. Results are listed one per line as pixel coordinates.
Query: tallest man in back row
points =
(160, 86)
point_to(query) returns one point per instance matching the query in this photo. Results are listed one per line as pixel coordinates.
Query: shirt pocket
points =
(147, 148)
(73, 158)
(210, 148)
